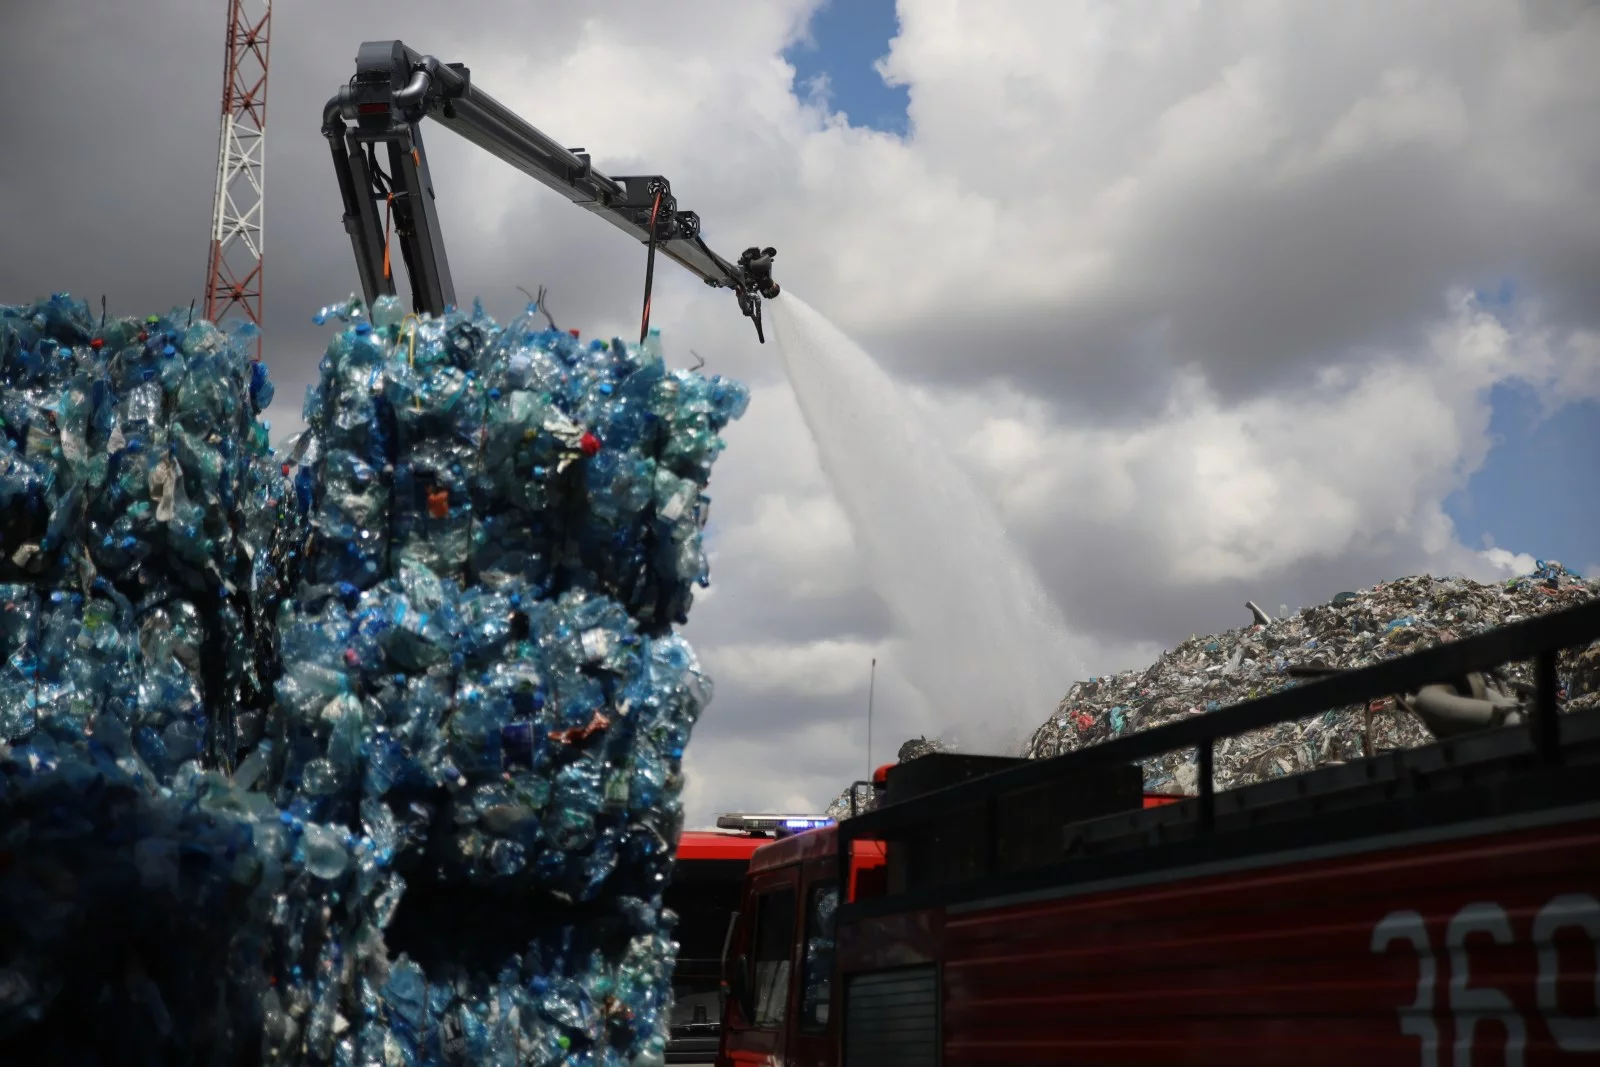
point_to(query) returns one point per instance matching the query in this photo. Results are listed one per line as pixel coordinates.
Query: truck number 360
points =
(1467, 1004)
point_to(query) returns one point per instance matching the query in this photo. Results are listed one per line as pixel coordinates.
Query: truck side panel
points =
(1462, 953)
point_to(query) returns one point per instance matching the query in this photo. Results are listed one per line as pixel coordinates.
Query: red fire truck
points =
(1439, 905)
(705, 890)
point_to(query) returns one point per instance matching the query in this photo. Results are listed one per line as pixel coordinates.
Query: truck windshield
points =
(704, 894)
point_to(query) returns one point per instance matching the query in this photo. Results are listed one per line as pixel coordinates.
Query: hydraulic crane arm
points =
(394, 88)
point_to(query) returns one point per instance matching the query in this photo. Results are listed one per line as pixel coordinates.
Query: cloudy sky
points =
(1210, 301)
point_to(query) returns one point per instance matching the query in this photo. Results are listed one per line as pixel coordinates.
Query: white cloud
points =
(1508, 564)
(814, 669)
(1406, 108)
(804, 542)
(1231, 490)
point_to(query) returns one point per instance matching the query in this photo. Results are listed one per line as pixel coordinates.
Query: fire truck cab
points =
(781, 955)
(781, 948)
(707, 882)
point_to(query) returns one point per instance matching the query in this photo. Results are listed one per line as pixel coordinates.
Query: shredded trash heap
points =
(1354, 630)
(365, 753)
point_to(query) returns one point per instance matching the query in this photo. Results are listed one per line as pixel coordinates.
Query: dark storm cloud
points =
(108, 182)
(1318, 214)
(1120, 597)
(1261, 291)
(109, 168)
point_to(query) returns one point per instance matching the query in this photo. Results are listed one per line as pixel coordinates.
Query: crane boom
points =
(394, 88)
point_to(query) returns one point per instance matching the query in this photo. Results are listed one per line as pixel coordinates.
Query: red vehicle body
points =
(704, 891)
(1438, 906)
(801, 869)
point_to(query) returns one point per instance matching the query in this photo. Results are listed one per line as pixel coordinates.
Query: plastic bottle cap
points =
(574, 333)
(588, 444)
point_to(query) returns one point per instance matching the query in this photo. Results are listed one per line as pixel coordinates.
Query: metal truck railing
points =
(1539, 639)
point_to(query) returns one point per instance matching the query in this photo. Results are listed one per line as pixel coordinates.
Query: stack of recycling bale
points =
(134, 483)
(1355, 629)
(132, 919)
(481, 681)
(132, 463)
(380, 740)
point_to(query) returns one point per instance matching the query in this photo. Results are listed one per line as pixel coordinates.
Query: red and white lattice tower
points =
(233, 278)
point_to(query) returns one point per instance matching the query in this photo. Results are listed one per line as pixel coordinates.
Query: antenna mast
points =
(872, 689)
(233, 274)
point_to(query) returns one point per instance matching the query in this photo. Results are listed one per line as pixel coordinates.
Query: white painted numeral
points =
(1416, 1020)
(1471, 1006)
(1582, 911)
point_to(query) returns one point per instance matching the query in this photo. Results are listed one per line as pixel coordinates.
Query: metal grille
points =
(891, 1018)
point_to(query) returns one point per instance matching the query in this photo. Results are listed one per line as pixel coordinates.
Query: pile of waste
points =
(1354, 630)
(380, 738)
(840, 808)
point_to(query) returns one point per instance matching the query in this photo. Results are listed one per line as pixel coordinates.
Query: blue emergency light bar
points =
(772, 824)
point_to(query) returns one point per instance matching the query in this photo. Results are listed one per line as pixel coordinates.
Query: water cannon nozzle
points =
(757, 264)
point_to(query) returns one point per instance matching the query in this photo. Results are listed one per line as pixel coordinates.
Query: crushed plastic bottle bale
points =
(480, 672)
(496, 453)
(145, 531)
(146, 911)
(405, 698)
(534, 742)
(1354, 630)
